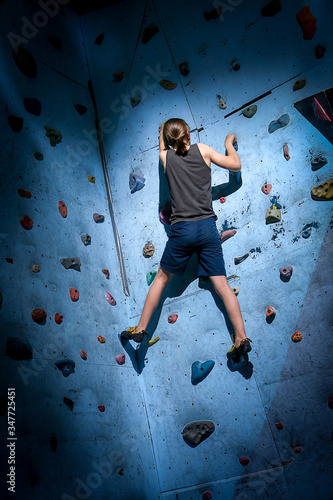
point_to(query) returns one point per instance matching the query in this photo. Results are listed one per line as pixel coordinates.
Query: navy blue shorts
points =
(200, 237)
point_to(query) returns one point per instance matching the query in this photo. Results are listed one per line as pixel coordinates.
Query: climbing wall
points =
(94, 419)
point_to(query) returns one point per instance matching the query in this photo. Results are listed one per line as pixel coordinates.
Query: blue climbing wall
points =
(134, 448)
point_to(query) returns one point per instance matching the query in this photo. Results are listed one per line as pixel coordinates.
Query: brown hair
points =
(175, 132)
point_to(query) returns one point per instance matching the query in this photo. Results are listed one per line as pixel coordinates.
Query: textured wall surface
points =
(134, 448)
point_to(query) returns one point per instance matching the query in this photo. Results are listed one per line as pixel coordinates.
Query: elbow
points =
(237, 166)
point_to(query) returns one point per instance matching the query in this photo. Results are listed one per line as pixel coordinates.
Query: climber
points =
(193, 228)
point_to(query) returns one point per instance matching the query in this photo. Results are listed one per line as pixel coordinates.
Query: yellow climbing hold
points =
(91, 178)
(167, 85)
(153, 341)
(323, 192)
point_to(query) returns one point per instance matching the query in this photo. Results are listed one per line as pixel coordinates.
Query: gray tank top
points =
(190, 184)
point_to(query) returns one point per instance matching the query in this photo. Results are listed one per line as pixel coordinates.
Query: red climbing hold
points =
(23, 193)
(296, 337)
(110, 299)
(83, 354)
(330, 402)
(106, 272)
(223, 200)
(101, 408)
(266, 188)
(39, 316)
(74, 293)
(228, 233)
(307, 22)
(120, 359)
(98, 217)
(172, 318)
(10, 260)
(244, 460)
(207, 495)
(26, 222)
(279, 426)
(58, 318)
(101, 339)
(62, 209)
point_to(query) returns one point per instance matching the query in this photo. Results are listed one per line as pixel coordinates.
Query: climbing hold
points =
(32, 105)
(101, 408)
(330, 402)
(120, 359)
(135, 100)
(250, 111)
(91, 179)
(273, 215)
(149, 32)
(86, 239)
(286, 273)
(244, 460)
(320, 51)
(228, 233)
(235, 65)
(58, 318)
(66, 366)
(98, 217)
(152, 342)
(299, 84)
(195, 433)
(136, 181)
(213, 14)
(298, 450)
(235, 289)
(318, 162)
(110, 299)
(222, 103)
(118, 76)
(23, 193)
(307, 22)
(148, 250)
(25, 62)
(35, 268)
(10, 260)
(238, 260)
(69, 403)
(183, 68)
(271, 8)
(201, 370)
(53, 443)
(99, 39)
(18, 349)
(62, 209)
(207, 495)
(71, 263)
(55, 42)
(279, 123)
(26, 222)
(101, 339)
(165, 214)
(172, 318)
(15, 123)
(286, 152)
(296, 337)
(150, 277)
(279, 426)
(83, 354)
(270, 315)
(74, 294)
(106, 272)
(39, 316)
(120, 471)
(266, 188)
(306, 233)
(223, 199)
(80, 108)
(167, 85)
(39, 156)
(53, 134)
(323, 192)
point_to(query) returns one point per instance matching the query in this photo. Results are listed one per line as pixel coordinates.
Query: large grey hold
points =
(71, 263)
(196, 432)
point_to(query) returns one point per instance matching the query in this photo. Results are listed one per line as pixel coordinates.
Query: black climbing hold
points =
(271, 8)
(135, 100)
(33, 482)
(69, 403)
(71, 263)
(183, 68)
(86, 239)
(55, 42)
(99, 39)
(15, 123)
(149, 32)
(18, 349)
(53, 443)
(235, 65)
(39, 156)
(195, 433)
(25, 62)
(318, 162)
(213, 14)
(80, 108)
(32, 105)
(238, 260)
(66, 366)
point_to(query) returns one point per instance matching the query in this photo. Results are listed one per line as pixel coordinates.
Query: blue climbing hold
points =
(306, 233)
(136, 181)
(280, 123)
(66, 366)
(201, 370)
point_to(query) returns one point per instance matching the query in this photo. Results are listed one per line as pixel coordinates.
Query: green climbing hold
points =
(250, 111)
(25, 62)
(273, 215)
(150, 277)
(299, 84)
(53, 134)
(39, 156)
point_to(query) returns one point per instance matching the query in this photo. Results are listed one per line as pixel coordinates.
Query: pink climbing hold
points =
(98, 218)
(244, 460)
(110, 299)
(165, 214)
(74, 293)
(62, 209)
(223, 200)
(207, 495)
(120, 359)
(172, 318)
(228, 233)
(101, 408)
(106, 272)
(266, 188)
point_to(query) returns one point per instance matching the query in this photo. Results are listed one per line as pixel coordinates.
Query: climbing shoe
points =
(234, 352)
(245, 345)
(130, 334)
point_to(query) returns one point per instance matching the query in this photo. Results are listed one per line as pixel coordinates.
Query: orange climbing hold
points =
(83, 354)
(23, 193)
(62, 209)
(74, 293)
(58, 318)
(296, 337)
(106, 272)
(307, 22)
(101, 339)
